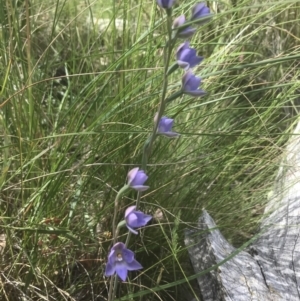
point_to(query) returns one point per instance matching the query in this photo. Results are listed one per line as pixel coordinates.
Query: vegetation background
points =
(80, 84)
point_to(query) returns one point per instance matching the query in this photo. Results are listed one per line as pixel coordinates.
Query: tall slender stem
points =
(115, 230)
(167, 57)
(29, 70)
(113, 283)
(149, 142)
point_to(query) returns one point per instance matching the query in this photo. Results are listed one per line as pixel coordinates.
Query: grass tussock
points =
(80, 84)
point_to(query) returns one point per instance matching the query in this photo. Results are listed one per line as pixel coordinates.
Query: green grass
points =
(76, 107)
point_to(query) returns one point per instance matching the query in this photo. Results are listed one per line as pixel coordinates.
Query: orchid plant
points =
(120, 259)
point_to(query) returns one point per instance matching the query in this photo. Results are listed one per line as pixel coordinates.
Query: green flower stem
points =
(29, 70)
(146, 153)
(167, 57)
(149, 142)
(121, 224)
(128, 238)
(113, 284)
(174, 96)
(173, 68)
(115, 229)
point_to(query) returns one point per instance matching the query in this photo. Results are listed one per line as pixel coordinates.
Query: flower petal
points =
(119, 246)
(190, 81)
(190, 55)
(186, 77)
(129, 210)
(109, 269)
(132, 174)
(128, 255)
(196, 60)
(171, 134)
(190, 84)
(147, 218)
(122, 270)
(193, 83)
(183, 65)
(111, 256)
(181, 48)
(168, 122)
(134, 265)
(196, 10)
(132, 219)
(186, 33)
(139, 222)
(165, 124)
(140, 187)
(165, 3)
(200, 11)
(143, 219)
(140, 178)
(132, 230)
(178, 21)
(195, 92)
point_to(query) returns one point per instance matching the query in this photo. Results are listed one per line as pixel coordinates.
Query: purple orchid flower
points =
(136, 179)
(190, 84)
(185, 32)
(187, 57)
(135, 219)
(200, 11)
(165, 127)
(120, 261)
(166, 4)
